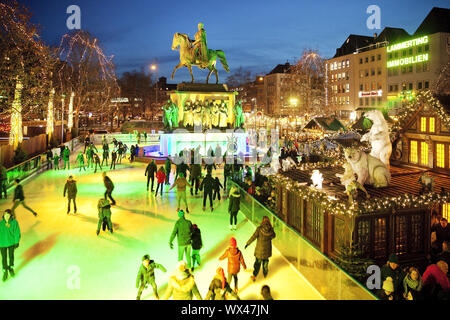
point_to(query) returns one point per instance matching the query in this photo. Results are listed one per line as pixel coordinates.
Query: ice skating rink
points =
(61, 257)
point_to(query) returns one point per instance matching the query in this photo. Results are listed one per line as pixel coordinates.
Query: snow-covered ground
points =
(56, 250)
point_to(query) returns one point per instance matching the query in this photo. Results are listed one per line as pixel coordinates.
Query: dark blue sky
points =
(253, 34)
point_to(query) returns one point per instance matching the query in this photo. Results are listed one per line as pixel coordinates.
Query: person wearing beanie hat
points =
(181, 285)
(183, 231)
(146, 275)
(387, 291)
(393, 270)
(234, 204)
(181, 184)
(197, 244)
(235, 259)
(219, 287)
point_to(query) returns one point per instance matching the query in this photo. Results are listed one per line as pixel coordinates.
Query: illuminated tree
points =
(307, 82)
(87, 72)
(24, 67)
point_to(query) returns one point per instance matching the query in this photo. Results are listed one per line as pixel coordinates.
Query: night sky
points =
(253, 34)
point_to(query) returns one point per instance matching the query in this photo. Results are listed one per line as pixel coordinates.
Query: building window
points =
(361, 103)
(339, 65)
(379, 57)
(432, 124)
(367, 59)
(427, 85)
(379, 71)
(360, 61)
(427, 48)
(367, 73)
(419, 85)
(440, 155)
(413, 157)
(373, 101)
(419, 49)
(410, 86)
(372, 58)
(446, 211)
(372, 72)
(424, 153)
(425, 67)
(348, 63)
(419, 67)
(366, 101)
(391, 88)
(423, 124)
(361, 73)
(396, 88)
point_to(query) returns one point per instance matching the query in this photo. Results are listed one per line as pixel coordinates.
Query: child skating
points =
(235, 259)
(146, 276)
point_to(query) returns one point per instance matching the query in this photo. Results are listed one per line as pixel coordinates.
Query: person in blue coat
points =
(9, 241)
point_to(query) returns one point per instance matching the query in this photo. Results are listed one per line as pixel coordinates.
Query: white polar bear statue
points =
(369, 169)
(378, 137)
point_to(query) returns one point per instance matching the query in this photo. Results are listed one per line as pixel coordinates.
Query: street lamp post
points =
(154, 68)
(62, 118)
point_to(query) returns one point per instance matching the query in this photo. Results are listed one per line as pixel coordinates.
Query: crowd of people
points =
(407, 283)
(181, 284)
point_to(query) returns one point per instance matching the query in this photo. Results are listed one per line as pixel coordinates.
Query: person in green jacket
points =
(183, 231)
(146, 275)
(104, 215)
(56, 161)
(9, 241)
(19, 198)
(66, 157)
(80, 159)
(71, 188)
(167, 168)
(89, 157)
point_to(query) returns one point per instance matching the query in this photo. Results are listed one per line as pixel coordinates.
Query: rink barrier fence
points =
(324, 275)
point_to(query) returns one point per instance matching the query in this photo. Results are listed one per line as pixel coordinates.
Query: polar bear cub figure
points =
(378, 137)
(369, 169)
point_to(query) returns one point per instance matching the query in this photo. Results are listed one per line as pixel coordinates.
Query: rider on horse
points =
(200, 47)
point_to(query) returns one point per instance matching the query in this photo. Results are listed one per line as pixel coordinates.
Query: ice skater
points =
(197, 244)
(71, 188)
(181, 184)
(104, 215)
(109, 185)
(263, 235)
(3, 181)
(66, 158)
(160, 178)
(220, 287)
(56, 161)
(105, 155)
(217, 186)
(235, 259)
(113, 160)
(207, 186)
(234, 203)
(49, 155)
(97, 162)
(167, 168)
(146, 276)
(9, 241)
(80, 159)
(183, 231)
(150, 172)
(182, 285)
(194, 177)
(19, 198)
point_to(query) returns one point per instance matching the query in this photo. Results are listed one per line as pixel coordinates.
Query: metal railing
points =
(324, 275)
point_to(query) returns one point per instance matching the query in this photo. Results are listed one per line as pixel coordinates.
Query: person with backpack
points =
(160, 178)
(183, 231)
(146, 276)
(207, 186)
(9, 241)
(197, 244)
(104, 215)
(150, 172)
(71, 188)
(235, 260)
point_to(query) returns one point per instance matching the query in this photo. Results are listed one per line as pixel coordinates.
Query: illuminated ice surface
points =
(55, 245)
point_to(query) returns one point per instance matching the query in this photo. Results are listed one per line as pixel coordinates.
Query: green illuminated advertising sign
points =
(407, 60)
(407, 44)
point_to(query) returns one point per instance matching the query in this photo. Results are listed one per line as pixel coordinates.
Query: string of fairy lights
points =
(336, 206)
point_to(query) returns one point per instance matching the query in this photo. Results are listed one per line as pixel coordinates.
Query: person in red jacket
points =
(235, 259)
(160, 179)
(436, 275)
